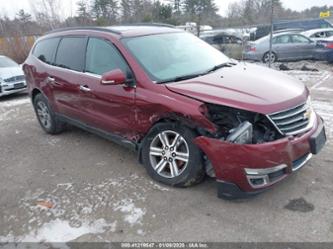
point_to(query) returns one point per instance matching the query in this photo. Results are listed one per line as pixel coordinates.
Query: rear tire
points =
(46, 117)
(170, 156)
(265, 58)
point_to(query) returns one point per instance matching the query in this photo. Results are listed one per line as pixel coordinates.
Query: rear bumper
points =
(248, 169)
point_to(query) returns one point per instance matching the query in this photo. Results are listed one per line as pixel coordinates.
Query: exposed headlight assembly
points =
(243, 134)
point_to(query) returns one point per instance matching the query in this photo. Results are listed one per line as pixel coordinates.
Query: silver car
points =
(285, 46)
(12, 78)
(318, 34)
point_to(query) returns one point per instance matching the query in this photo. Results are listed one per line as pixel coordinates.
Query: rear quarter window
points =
(45, 50)
(71, 53)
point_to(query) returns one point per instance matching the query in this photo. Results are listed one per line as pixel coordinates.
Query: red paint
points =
(132, 111)
(114, 77)
(229, 160)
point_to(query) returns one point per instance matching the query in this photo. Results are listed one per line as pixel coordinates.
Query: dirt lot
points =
(76, 186)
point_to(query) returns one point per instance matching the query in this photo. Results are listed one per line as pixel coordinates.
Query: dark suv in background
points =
(184, 106)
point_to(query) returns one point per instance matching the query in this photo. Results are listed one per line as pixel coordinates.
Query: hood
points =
(245, 86)
(8, 72)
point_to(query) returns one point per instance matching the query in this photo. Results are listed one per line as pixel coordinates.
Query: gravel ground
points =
(76, 186)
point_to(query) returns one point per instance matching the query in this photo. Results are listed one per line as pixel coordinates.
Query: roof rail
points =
(153, 24)
(287, 30)
(85, 28)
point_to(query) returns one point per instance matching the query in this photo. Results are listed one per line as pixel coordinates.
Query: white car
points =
(318, 34)
(12, 78)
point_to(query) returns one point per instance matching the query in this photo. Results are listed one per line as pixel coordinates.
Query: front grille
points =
(14, 79)
(292, 121)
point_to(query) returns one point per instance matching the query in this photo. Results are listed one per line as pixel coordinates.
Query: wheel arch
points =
(34, 93)
(175, 118)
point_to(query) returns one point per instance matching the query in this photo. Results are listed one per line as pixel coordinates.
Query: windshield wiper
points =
(191, 76)
(222, 65)
(180, 78)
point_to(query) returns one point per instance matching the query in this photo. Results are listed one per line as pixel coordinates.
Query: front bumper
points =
(248, 169)
(10, 88)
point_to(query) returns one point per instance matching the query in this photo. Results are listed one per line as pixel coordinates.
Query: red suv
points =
(187, 109)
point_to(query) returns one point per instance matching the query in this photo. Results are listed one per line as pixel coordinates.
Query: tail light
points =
(329, 45)
(252, 48)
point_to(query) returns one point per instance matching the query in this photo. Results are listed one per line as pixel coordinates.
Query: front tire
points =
(46, 117)
(170, 156)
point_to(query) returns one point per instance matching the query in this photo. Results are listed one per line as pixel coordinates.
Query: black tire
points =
(54, 126)
(193, 173)
(265, 58)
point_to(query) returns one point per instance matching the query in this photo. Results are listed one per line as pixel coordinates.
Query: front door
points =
(106, 107)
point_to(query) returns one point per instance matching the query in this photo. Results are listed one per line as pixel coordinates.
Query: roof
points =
(275, 35)
(313, 31)
(126, 30)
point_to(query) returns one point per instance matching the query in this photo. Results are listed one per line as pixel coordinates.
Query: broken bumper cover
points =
(247, 169)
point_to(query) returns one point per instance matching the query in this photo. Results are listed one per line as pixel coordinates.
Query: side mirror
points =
(114, 77)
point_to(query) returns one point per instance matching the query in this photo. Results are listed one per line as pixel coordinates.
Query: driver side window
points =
(102, 57)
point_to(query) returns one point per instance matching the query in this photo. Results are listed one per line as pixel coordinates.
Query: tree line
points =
(49, 14)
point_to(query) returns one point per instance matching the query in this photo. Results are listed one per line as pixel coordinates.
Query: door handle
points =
(85, 89)
(50, 79)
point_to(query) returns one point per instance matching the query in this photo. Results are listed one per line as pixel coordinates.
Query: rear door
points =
(283, 47)
(37, 72)
(107, 107)
(65, 77)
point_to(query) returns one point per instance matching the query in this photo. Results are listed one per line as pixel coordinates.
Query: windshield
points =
(6, 62)
(168, 56)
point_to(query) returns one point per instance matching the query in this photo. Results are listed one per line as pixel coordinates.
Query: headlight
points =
(309, 110)
(308, 102)
(243, 134)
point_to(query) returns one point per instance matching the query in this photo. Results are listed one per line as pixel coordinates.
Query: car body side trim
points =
(107, 135)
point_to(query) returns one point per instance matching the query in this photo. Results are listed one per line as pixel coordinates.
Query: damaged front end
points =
(247, 153)
(241, 127)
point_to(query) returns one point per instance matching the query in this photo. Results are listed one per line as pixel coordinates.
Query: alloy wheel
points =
(44, 115)
(169, 154)
(272, 59)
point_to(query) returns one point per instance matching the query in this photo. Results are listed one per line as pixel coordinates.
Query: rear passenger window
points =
(103, 57)
(71, 53)
(281, 39)
(45, 50)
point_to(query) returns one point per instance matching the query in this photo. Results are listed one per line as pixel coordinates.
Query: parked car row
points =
(304, 25)
(285, 46)
(291, 45)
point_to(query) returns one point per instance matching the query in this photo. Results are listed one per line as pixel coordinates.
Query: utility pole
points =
(271, 35)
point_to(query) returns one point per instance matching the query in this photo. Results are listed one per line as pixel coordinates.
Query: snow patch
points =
(61, 231)
(133, 214)
(15, 102)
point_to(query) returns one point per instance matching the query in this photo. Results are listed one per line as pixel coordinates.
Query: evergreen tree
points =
(23, 17)
(105, 11)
